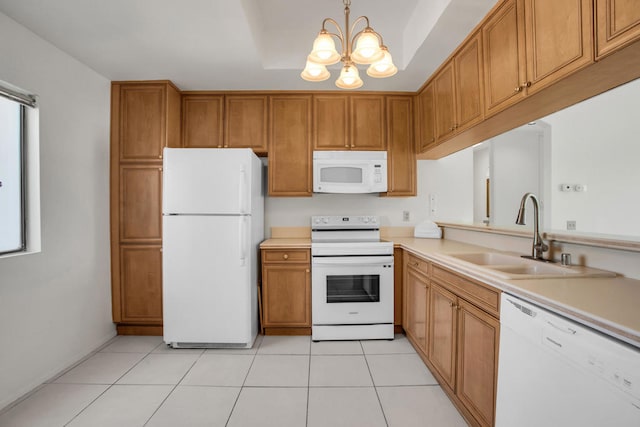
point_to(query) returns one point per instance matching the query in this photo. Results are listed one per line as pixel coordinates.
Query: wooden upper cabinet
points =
(367, 122)
(202, 124)
(425, 118)
(140, 203)
(331, 122)
(617, 24)
(401, 158)
(469, 84)
(290, 145)
(504, 57)
(444, 95)
(559, 39)
(246, 122)
(149, 120)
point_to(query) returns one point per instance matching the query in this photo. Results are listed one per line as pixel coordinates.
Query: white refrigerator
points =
(213, 222)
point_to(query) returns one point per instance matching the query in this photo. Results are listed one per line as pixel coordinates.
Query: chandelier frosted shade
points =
(349, 78)
(384, 67)
(315, 72)
(324, 50)
(367, 49)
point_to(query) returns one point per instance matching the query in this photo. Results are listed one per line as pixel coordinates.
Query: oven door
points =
(352, 290)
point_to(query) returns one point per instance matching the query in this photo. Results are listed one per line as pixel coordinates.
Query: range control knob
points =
(365, 219)
(325, 220)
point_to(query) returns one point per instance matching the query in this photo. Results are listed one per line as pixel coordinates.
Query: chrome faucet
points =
(538, 245)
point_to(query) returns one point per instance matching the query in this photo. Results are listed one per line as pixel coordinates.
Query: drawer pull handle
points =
(285, 256)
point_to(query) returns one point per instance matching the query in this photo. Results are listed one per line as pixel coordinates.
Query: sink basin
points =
(489, 258)
(535, 269)
(512, 267)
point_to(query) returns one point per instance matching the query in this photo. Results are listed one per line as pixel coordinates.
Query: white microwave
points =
(349, 171)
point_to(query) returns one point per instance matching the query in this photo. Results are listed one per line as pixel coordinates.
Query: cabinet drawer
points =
(285, 255)
(417, 263)
(483, 296)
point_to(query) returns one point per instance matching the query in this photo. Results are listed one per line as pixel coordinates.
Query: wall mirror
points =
(583, 162)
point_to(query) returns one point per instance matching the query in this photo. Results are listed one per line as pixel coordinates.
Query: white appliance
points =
(349, 171)
(555, 372)
(213, 222)
(351, 279)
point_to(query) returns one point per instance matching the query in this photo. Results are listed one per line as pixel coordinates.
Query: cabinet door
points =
(401, 162)
(444, 93)
(140, 284)
(442, 332)
(397, 286)
(290, 146)
(330, 122)
(617, 24)
(142, 121)
(367, 122)
(426, 119)
(478, 335)
(559, 39)
(469, 93)
(202, 121)
(246, 122)
(140, 203)
(504, 61)
(286, 295)
(417, 300)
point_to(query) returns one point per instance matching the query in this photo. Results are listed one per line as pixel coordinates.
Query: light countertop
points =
(608, 304)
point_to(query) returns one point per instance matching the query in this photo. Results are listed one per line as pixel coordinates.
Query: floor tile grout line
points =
(308, 383)
(173, 389)
(111, 385)
(375, 388)
(235, 402)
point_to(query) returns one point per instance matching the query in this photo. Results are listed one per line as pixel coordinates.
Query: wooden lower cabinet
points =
(140, 284)
(417, 290)
(456, 338)
(286, 291)
(442, 332)
(477, 367)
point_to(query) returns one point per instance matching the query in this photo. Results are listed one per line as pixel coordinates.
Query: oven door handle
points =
(353, 260)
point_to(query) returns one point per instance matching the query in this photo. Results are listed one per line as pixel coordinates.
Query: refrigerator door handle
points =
(243, 238)
(242, 188)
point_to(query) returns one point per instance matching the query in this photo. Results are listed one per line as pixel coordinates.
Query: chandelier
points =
(369, 49)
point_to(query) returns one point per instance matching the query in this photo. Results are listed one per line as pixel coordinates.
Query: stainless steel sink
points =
(512, 267)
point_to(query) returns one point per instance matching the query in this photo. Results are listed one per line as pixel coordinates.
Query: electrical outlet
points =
(405, 215)
(571, 225)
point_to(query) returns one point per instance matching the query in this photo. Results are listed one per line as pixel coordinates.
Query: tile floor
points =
(282, 381)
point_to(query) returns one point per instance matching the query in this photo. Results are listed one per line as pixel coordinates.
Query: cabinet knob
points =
(526, 84)
(415, 264)
(307, 270)
(453, 304)
(285, 256)
(518, 89)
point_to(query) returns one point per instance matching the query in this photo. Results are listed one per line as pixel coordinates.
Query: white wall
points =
(454, 197)
(55, 306)
(596, 143)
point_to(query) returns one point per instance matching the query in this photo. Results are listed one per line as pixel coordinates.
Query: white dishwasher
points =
(555, 372)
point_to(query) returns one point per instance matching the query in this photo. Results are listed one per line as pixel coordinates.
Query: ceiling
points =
(242, 44)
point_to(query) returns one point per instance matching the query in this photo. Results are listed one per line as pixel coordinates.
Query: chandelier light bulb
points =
(384, 67)
(367, 48)
(349, 78)
(314, 72)
(324, 50)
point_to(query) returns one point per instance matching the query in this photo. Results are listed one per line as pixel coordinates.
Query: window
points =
(13, 225)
